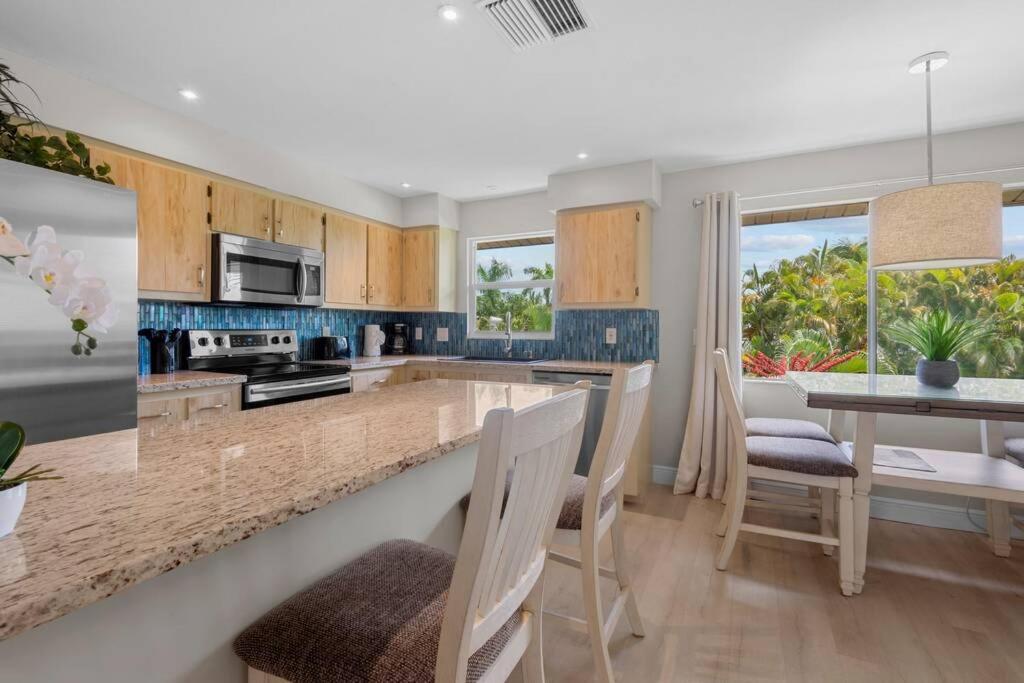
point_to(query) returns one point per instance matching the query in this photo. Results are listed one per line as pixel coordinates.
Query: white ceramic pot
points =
(11, 503)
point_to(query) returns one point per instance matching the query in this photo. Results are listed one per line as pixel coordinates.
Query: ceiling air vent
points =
(525, 23)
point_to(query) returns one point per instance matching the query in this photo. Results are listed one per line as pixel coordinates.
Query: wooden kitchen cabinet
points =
(383, 265)
(298, 224)
(167, 407)
(240, 210)
(345, 251)
(428, 268)
(604, 256)
(173, 238)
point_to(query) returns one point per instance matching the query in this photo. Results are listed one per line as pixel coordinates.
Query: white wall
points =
(639, 181)
(100, 112)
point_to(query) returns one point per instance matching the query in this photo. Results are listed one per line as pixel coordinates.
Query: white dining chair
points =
(806, 462)
(593, 509)
(406, 612)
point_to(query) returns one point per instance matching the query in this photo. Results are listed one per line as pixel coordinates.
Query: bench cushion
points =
(571, 516)
(807, 456)
(1015, 447)
(377, 619)
(794, 429)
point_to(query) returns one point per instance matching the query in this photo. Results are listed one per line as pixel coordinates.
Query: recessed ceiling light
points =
(582, 155)
(406, 185)
(448, 12)
(189, 94)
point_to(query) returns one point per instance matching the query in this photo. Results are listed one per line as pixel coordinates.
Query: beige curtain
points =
(702, 461)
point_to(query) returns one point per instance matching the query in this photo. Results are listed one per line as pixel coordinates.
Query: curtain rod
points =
(874, 183)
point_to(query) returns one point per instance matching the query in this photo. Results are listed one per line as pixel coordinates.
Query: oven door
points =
(258, 394)
(256, 271)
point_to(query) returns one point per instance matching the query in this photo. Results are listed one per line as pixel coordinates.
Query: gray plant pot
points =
(942, 374)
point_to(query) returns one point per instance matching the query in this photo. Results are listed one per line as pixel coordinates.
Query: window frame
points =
(472, 287)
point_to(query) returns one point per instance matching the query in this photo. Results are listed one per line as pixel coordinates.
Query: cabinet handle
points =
(380, 381)
(266, 225)
(219, 405)
(371, 293)
(430, 295)
(362, 291)
(202, 276)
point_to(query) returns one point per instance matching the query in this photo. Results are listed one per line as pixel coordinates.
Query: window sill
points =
(521, 336)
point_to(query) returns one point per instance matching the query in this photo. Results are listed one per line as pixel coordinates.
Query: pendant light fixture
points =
(936, 226)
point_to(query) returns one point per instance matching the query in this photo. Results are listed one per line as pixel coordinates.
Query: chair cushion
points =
(377, 619)
(807, 456)
(1015, 447)
(794, 429)
(571, 516)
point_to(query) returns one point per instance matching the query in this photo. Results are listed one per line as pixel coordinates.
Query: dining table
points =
(988, 475)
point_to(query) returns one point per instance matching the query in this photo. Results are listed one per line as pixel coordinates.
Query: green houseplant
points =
(14, 489)
(938, 336)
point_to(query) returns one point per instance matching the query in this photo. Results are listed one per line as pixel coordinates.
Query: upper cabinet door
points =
(384, 265)
(298, 224)
(597, 256)
(419, 267)
(345, 260)
(240, 211)
(173, 240)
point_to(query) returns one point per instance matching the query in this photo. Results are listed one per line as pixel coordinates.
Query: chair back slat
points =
(502, 553)
(627, 402)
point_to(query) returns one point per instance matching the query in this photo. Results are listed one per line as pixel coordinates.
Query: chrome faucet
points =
(508, 333)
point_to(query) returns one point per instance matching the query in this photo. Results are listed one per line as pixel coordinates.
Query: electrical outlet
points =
(419, 334)
(610, 335)
(442, 334)
(325, 331)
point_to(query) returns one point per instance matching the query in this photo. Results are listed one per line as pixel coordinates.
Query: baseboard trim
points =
(887, 508)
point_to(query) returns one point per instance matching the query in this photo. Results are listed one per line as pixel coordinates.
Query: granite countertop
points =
(137, 503)
(185, 379)
(594, 366)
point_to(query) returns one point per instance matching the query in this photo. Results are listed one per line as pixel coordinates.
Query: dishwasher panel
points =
(600, 384)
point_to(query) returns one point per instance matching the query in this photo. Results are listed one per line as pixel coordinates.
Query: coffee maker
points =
(396, 340)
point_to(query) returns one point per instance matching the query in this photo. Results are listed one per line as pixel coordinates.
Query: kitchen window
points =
(805, 292)
(512, 274)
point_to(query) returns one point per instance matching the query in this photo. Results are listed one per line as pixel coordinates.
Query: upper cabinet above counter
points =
(368, 264)
(604, 257)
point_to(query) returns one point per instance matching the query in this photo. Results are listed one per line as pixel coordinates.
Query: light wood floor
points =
(938, 606)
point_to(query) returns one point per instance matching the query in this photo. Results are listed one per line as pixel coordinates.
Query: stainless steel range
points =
(269, 358)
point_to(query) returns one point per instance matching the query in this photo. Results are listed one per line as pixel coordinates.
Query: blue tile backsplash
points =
(579, 334)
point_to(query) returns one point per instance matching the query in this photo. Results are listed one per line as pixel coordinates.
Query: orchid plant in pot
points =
(14, 489)
(938, 336)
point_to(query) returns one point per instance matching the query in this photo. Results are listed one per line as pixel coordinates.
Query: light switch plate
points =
(419, 334)
(325, 331)
(611, 335)
(442, 334)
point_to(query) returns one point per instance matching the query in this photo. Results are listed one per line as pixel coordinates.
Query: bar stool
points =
(806, 462)
(406, 612)
(593, 509)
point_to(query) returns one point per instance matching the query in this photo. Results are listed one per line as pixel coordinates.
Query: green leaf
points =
(1007, 301)
(12, 439)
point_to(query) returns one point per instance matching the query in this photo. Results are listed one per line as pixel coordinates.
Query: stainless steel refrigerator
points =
(56, 379)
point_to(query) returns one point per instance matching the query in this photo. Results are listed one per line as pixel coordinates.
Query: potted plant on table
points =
(13, 489)
(938, 336)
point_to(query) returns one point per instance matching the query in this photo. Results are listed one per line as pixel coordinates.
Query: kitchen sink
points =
(497, 359)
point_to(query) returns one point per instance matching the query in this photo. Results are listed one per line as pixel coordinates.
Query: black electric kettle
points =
(162, 344)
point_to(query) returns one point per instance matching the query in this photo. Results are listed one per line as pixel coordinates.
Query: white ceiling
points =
(386, 92)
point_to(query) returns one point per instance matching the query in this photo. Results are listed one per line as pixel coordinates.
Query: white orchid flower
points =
(10, 245)
(91, 301)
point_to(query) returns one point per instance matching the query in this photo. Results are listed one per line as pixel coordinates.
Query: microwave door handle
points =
(302, 280)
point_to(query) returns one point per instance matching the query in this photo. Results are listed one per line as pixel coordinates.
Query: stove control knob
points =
(275, 340)
(203, 341)
(219, 341)
(287, 340)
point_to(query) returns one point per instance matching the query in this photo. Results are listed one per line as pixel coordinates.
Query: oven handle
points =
(291, 387)
(302, 280)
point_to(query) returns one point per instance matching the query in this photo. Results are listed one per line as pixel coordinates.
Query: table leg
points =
(997, 513)
(863, 460)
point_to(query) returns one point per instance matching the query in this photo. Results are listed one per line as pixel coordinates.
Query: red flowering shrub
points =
(761, 365)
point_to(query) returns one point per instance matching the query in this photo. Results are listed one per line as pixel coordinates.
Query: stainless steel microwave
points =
(248, 270)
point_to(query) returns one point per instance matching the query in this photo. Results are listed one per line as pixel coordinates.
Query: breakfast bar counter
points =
(137, 504)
